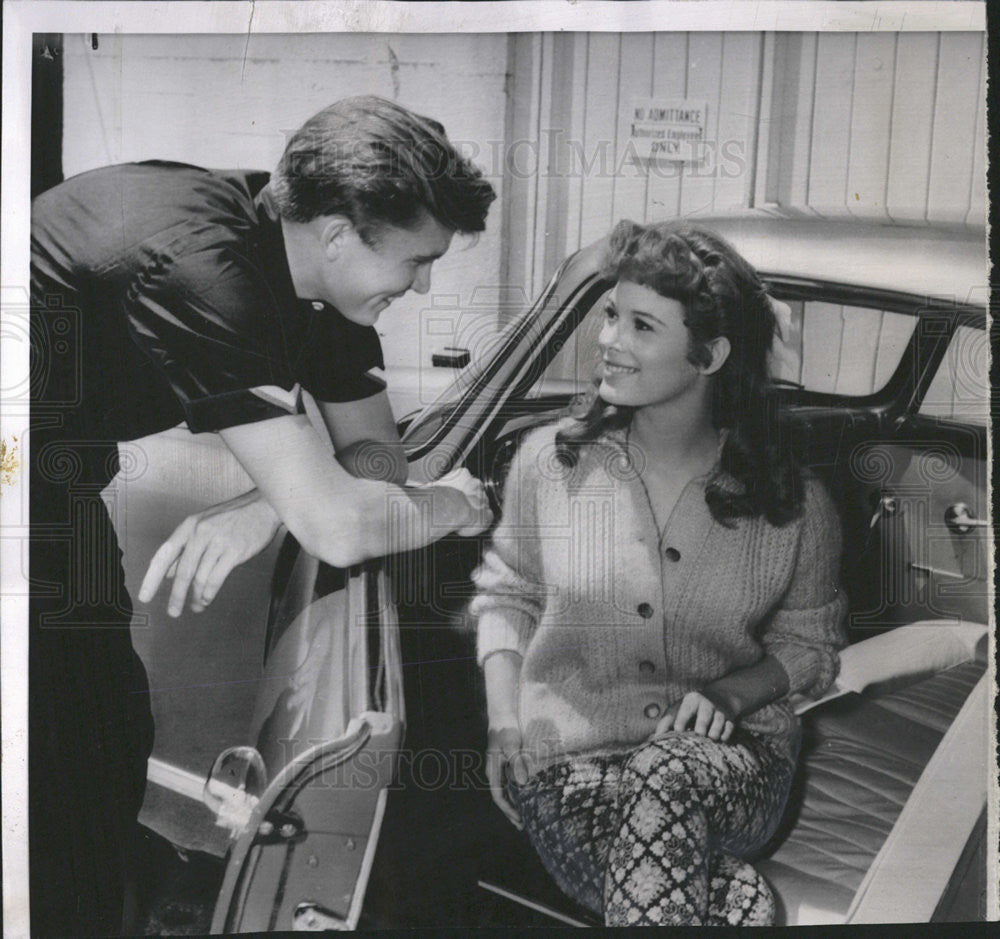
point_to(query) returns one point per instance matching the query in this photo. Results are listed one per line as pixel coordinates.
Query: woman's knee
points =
(670, 763)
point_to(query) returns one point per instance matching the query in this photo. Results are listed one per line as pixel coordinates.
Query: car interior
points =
(900, 443)
(893, 766)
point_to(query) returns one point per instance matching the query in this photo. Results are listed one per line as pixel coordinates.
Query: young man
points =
(163, 293)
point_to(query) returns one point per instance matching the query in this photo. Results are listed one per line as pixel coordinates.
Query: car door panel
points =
(303, 860)
(328, 726)
(202, 667)
(932, 569)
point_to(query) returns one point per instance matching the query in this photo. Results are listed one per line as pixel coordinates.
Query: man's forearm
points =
(335, 516)
(384, 519)
(371, 459)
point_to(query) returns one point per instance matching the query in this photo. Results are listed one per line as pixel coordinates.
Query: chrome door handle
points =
(886, 507)
(934, 571)
(958, 518)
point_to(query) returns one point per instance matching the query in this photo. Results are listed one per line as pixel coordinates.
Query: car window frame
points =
(897, 401)
(909, 381)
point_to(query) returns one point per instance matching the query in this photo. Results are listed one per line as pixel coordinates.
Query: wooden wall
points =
(882, 127)
(885, 127)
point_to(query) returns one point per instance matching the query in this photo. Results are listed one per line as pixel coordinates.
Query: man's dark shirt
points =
(160, 294)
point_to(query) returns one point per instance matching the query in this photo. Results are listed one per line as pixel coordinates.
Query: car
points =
(308, 708)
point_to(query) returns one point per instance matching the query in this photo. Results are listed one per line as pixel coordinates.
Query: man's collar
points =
(274, 257)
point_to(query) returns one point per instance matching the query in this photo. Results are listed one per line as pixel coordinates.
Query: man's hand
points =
(480, 515)
(503, 749)
(205, 547)
(699, 713)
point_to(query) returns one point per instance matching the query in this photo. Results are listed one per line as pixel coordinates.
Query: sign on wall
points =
(671, 129)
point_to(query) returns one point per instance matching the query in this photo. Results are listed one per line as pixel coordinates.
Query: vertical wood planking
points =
(566, 189)
(822, 332)
(779, 117)
(871, 120)
(768, 131)
(519, 209)
(894, 335)
(572, 124)
(703, 83)
(912, 124)
(543, 161)
(858, 347)
(830, 146)
(597, 158)
(635, 81)
(976, 215)
(670, 56)
(795, 335)
(786, 358)
(736, 134)
(948, 195)
(793, 188)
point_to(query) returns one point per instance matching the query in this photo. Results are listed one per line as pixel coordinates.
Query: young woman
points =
(663, 579)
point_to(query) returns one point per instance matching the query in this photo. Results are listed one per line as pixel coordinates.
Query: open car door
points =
(305, 804)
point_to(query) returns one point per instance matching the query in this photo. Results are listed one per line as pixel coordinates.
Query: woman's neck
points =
(676, 437)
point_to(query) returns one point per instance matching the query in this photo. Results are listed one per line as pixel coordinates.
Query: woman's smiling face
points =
(644, 348)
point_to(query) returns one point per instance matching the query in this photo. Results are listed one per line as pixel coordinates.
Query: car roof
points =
(925, 261)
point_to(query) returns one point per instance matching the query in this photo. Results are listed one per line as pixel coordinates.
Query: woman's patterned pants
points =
(656, 835)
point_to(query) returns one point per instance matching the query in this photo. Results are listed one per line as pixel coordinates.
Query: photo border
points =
(22, 18)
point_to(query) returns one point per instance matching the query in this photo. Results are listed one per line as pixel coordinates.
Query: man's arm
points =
(365, 439)
(339, 518)
(204, 549)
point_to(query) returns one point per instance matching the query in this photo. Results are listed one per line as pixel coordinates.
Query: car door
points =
(203, 667)
(305, 803)
(866, 437)
(279, 709)
(935, 517)
(891, 386)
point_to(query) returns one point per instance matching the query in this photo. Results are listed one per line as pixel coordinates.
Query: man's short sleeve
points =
(338, 359)
(214, 325)
(207, 320)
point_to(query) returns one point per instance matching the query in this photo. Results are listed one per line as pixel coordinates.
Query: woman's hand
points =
(205, 548)
(503, 749)
(698, 712)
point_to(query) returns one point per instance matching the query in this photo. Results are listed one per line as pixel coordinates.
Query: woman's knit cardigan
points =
(614, 625)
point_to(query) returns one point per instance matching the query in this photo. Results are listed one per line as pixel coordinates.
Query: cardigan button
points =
(652, 710)
(647, 667)
(644, 610)
(672, 554)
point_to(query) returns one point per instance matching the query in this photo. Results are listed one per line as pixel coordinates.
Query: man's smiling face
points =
(361, 280)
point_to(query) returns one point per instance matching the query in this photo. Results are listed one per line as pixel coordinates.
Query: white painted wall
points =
(230, 101)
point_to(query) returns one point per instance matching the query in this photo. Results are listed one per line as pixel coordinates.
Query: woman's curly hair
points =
(722, 296)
